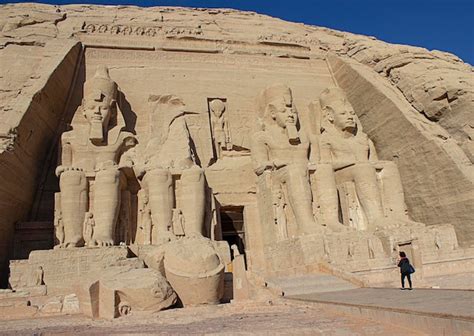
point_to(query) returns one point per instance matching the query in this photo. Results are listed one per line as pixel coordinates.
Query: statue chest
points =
(350, 149)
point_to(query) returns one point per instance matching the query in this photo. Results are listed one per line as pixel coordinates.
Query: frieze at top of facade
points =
(288, 39)
(139, 30)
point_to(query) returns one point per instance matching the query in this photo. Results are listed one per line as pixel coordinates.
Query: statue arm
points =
(325, 152)
(260, 159)
(314, 151)
(227, 130)
(326, 156)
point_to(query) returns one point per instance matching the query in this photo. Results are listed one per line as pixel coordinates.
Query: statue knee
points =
(108, 176)
(158, 175)
(193, 174)
(72, 178)
(364, 170)
(298, 171)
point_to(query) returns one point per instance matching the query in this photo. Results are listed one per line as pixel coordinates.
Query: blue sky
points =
(434, 24)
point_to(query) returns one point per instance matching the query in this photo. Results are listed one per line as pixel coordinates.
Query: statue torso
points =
(279, 147)
(89, 156)
(347, 149)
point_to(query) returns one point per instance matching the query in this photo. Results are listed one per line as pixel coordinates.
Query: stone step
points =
(311, 283)
(431, 311)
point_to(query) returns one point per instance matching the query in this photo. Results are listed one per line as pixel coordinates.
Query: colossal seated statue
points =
(348, 158)
(89, 171)
(166, 162)
(282, 149)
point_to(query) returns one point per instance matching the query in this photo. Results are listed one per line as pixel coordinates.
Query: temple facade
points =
(189, 144)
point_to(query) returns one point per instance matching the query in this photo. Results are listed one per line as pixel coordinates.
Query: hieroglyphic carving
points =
(146, 31)
(289, 40)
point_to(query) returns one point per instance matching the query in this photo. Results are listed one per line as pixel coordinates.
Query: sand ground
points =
(276, 317)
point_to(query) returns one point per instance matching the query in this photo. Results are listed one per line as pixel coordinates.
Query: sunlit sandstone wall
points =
(433, 87)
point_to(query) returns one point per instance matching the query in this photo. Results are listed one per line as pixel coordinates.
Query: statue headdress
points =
(266, 97)
(101, 84)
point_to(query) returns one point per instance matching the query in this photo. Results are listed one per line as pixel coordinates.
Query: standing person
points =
(405, 269)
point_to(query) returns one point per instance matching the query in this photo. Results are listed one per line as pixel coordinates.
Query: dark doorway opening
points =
(232, 224)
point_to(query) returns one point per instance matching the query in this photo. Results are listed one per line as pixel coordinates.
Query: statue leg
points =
(193, 200)
(393, 190)
(74, 201)
(326, 195)
(299, 194)
(367, 189)
(159, 184)
(106, 205)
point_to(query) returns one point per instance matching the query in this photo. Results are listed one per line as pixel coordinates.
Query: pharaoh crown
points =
(101, 83)
(329, 95)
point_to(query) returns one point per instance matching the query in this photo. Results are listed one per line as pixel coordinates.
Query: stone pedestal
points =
(64, 268)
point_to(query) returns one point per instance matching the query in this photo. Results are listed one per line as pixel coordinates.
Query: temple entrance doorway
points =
(232, 224)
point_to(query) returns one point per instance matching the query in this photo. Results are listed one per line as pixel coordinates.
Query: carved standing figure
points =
(89, 225)
(279, 213)
(281, 148)
(145, 220)
(347, 154)
(220, 127)
(36, 277)
(90, 155)
(58, 228)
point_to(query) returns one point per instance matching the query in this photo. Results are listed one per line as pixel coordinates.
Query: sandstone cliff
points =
(416, 104)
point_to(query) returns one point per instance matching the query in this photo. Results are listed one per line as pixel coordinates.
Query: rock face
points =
(161, 133)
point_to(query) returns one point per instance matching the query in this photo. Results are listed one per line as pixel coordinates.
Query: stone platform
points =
(63, 268)
(435, 311)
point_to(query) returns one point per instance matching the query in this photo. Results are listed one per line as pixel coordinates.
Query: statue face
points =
(344, 117)
(217, 107)
(97, 111)
(282, 110)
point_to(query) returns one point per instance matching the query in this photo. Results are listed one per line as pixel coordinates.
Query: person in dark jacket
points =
(405, 269)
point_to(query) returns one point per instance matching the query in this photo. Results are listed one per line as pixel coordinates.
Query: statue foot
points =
(74, 242)
(91, 243)
(164, 237)
(104, 242)
(194, 235)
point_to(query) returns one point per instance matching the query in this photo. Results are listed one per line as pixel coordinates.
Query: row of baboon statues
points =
(98, 159)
